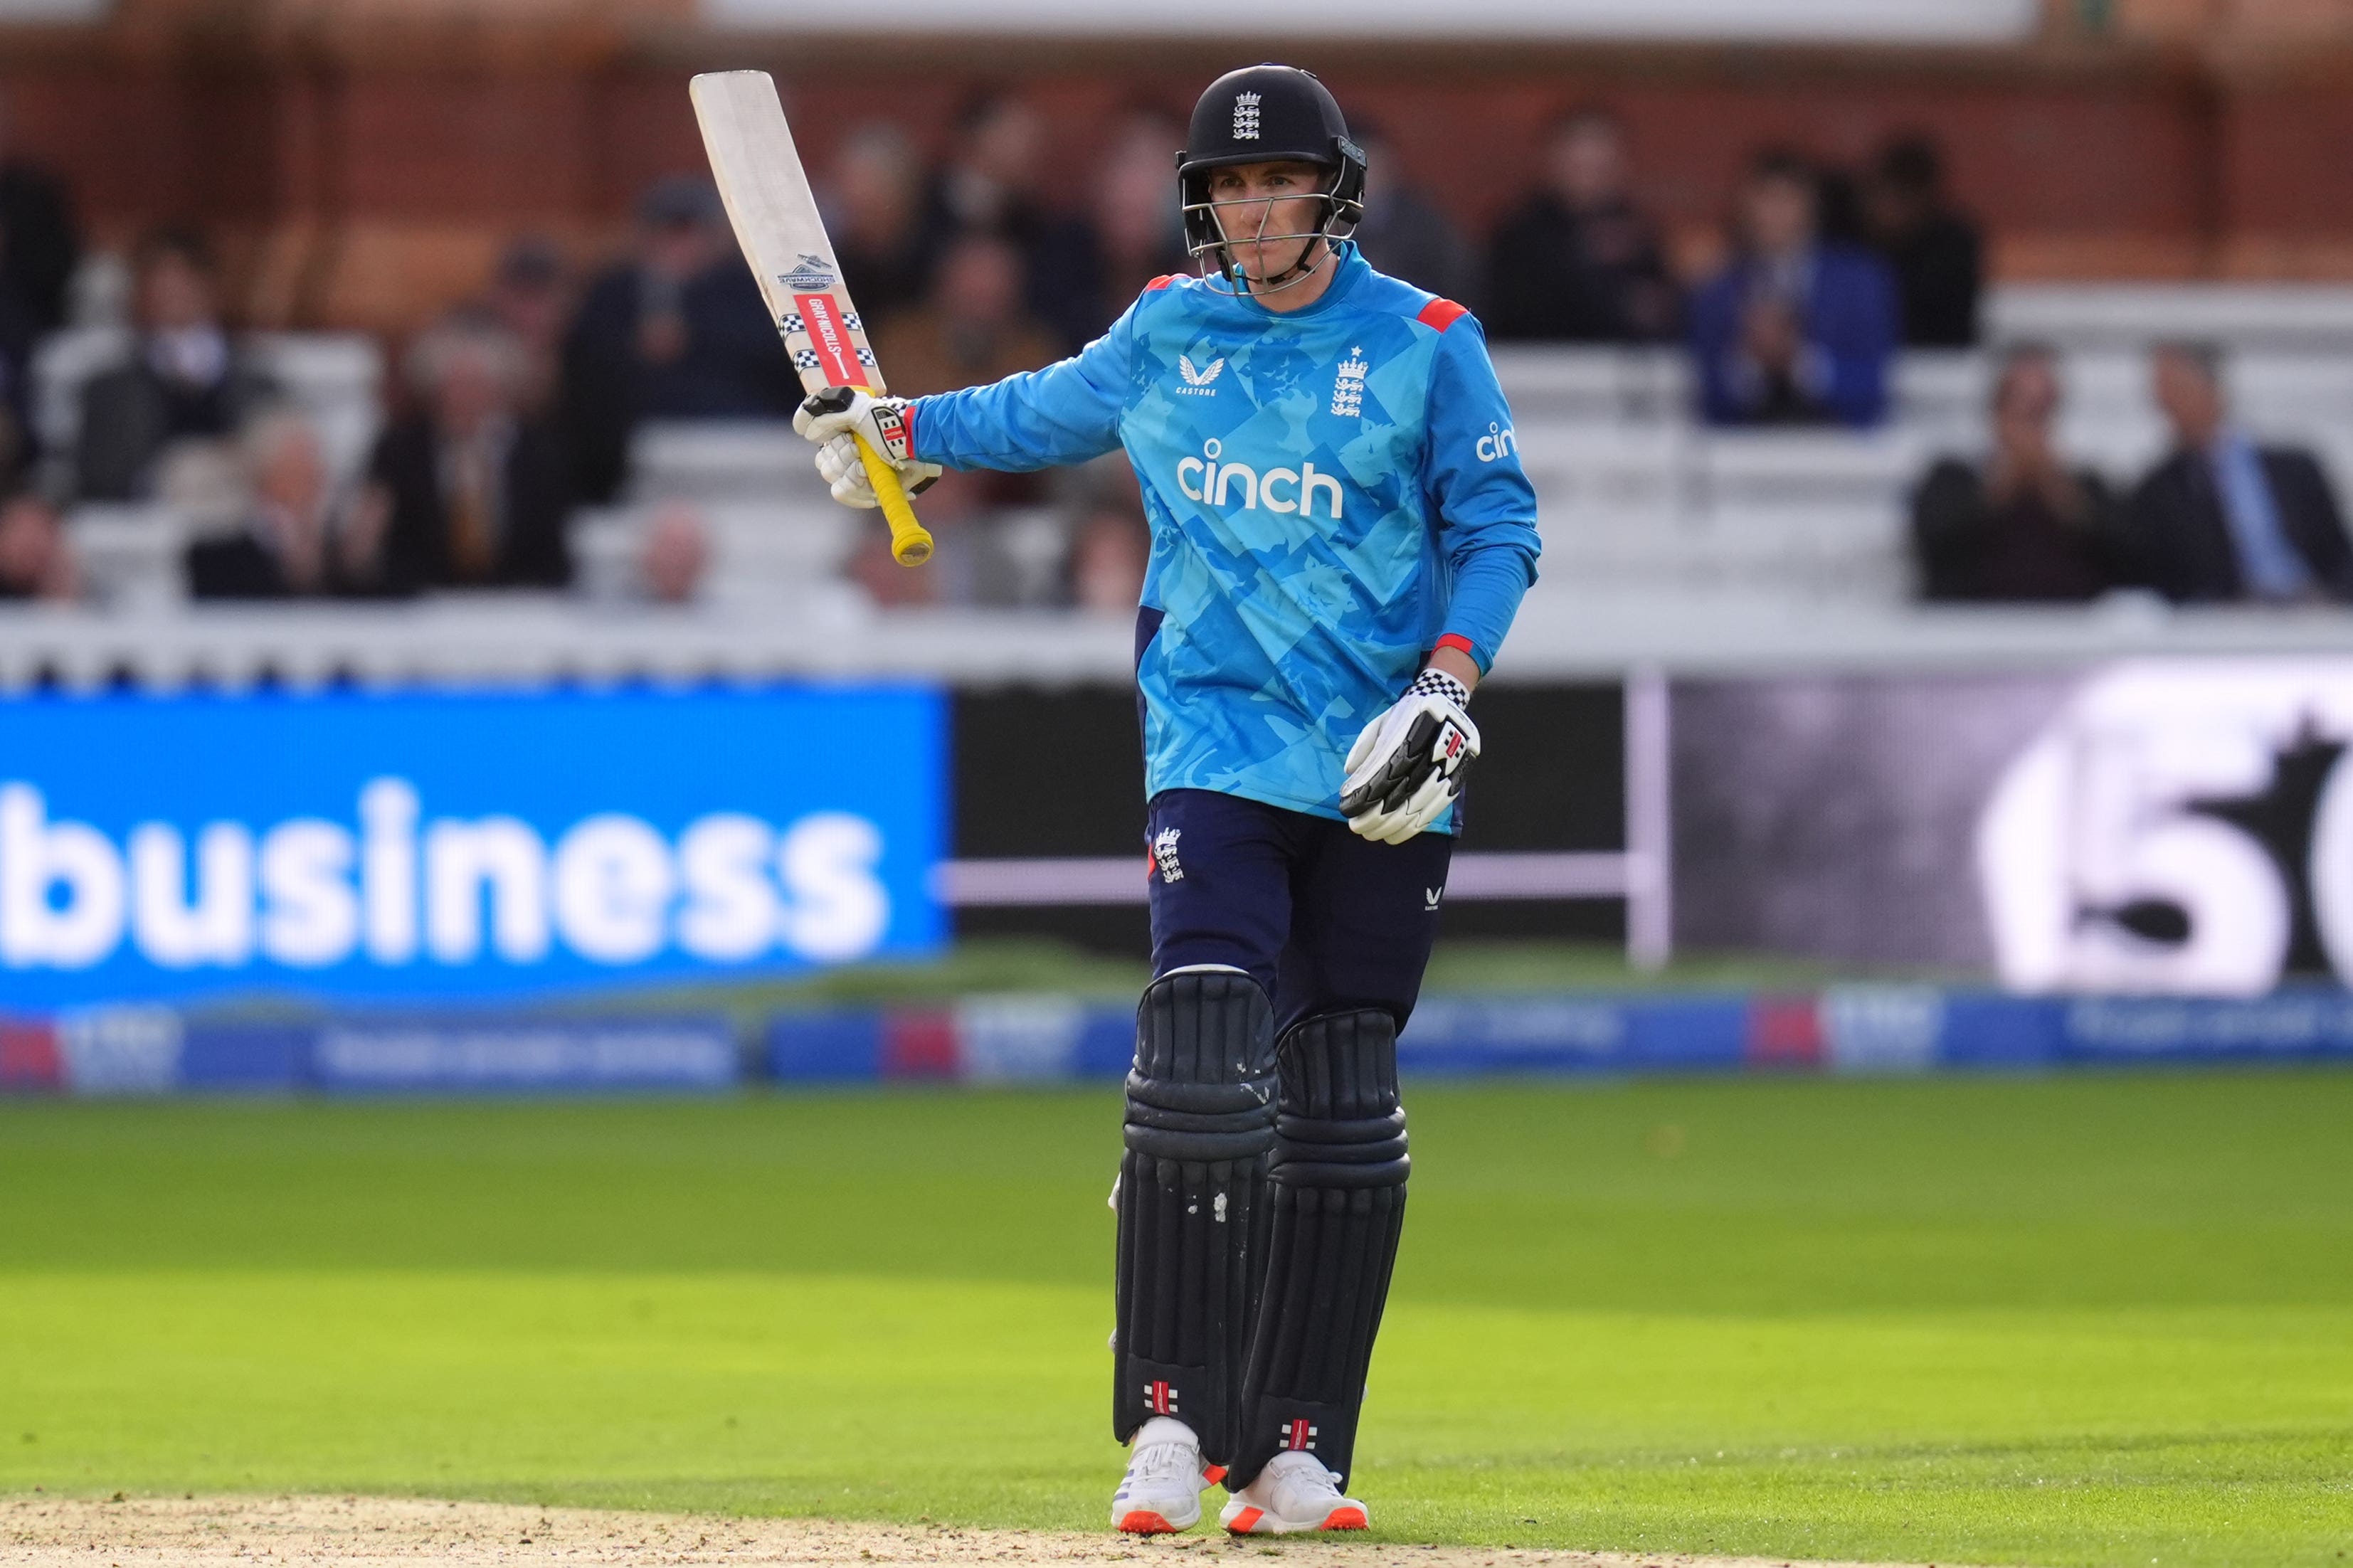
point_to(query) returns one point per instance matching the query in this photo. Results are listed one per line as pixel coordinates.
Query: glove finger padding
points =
(1406, 768)
(837, 418)
(844, 473)
(1426, 805)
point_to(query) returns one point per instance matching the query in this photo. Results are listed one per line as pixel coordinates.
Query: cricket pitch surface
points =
(355, 1531)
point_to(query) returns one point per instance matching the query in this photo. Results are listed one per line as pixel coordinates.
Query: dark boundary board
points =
(1060, 772)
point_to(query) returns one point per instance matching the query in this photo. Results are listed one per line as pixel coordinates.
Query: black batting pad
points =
(1338, 1206)
(1192, 1212)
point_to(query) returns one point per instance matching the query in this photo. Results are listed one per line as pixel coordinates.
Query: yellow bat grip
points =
(911, 546)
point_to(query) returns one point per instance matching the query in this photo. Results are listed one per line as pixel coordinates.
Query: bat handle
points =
(911, 544)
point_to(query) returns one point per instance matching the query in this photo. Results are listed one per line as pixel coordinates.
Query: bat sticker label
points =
(809, 272)
(829, 336)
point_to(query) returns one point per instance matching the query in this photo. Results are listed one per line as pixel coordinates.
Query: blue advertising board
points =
(398, 846)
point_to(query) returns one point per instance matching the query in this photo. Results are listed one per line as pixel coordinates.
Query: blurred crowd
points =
(2222, 518)
(517, 408)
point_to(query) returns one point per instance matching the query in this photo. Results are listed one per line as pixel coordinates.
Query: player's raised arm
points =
(1066, 412)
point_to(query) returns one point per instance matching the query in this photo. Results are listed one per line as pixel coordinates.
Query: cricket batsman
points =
(1341, 535)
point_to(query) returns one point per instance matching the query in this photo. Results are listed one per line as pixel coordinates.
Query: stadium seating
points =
(1664, 541)
(131, 555)
(336, 379)
(776, 536)
(1638, 501)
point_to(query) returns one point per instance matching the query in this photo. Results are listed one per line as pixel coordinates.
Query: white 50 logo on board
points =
(1500, 441)
(2179, 826)
(1208, 479)
(395, 890)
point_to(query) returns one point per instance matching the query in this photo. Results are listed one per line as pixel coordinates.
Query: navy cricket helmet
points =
(1268, 114)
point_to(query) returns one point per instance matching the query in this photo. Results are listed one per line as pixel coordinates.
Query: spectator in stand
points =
(36, 260)
(2024, 525)
(1578, 262)
(988, 188)
(34, 561)
(1136, 224)
(676, 331)
(976, 328)
(529, 294)
(1796, 331)
(674, 555)
(19, 442)
(287, 547)
(1935, 252)
(39, 247)
(469, 492)
(1404, 234)
(184, 382)
(875, 219)
(2224, 519)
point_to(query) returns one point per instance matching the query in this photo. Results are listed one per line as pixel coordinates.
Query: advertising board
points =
(2158, 826)
(436, 846)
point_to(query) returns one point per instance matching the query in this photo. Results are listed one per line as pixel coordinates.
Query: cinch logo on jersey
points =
(395, 889)
(831, 339)
(1207, 479)
(1500, 441)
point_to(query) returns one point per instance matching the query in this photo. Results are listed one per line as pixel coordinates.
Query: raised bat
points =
(776, 224)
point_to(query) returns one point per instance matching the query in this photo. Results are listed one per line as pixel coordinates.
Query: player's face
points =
(1271, 215)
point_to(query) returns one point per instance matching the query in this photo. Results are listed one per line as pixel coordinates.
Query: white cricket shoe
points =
(1161, 1493)
(1293, 1495)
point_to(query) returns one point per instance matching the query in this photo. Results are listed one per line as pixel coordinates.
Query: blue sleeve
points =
(1858, 338)
(1484, 507)
(1066, 412)
(1712, 330)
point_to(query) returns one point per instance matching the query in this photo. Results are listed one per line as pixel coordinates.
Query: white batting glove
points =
(834, 416)
(1406, 768)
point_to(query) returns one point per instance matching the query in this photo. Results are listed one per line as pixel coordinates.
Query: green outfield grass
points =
(2076, 1320)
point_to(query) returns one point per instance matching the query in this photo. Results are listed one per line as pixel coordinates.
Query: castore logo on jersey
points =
(1196, 381)
(1219, 479)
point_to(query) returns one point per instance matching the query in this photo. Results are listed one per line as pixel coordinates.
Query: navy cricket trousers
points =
(1324, 920)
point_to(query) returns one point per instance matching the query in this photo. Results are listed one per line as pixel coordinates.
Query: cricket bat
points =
(776, 224)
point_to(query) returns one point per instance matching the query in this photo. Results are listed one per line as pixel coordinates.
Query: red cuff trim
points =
(1459, 644)
(1160, 282)
(907, 418)
(1441, 314)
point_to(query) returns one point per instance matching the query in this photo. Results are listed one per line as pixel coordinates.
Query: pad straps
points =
(1338, 1208)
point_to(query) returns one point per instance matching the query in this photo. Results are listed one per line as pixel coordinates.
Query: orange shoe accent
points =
(1246, 1520)
(1145, 1521)
(1344, 1518)
(1214, 1474)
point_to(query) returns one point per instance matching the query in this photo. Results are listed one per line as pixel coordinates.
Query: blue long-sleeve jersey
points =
(1332, 491)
